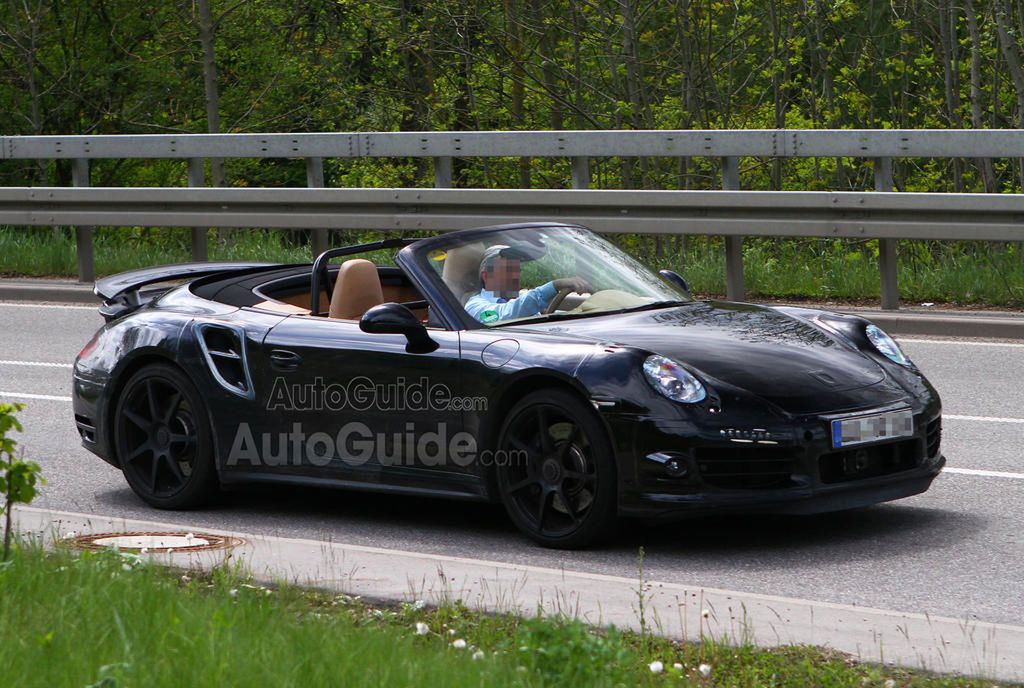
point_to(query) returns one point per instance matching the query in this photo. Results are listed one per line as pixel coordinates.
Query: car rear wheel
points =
(162, 435)
(555, 472)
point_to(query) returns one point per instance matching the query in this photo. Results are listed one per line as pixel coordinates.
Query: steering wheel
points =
(557, 300)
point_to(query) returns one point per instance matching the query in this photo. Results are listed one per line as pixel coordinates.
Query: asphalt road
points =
(956, 551)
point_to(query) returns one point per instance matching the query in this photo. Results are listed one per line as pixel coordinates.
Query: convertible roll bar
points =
(322, 277)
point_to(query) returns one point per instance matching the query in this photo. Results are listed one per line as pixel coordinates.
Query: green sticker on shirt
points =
(488, 316)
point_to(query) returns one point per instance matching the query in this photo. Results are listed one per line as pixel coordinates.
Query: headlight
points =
(886, 345)
(672, 380)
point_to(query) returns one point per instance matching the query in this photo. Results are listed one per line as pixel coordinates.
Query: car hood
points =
(777, 357)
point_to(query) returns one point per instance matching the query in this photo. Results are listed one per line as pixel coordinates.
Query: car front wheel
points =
(555, 472)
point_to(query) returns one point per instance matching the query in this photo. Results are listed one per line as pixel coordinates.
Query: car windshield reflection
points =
(502, 276)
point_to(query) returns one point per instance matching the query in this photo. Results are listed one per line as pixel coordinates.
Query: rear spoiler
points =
(120, 293)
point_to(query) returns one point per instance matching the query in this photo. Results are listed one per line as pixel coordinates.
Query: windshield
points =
(515, 274)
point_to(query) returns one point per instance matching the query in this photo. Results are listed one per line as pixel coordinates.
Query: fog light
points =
(674, 465)
(675, 468)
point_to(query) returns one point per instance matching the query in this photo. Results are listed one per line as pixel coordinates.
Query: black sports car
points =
(535, 364)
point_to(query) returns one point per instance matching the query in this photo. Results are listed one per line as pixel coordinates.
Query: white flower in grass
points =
(419, 604)
(126, 567)
(422, 628)
(144, 550)
(459, 644)
(479, 654)
(656, 667)
(233, 592)
(705, 670)
(890, 683)
(677, 666)
(451, 631)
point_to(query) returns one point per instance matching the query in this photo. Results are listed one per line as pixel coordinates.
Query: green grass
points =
(111, 620)
(50, 253)
(968, 273)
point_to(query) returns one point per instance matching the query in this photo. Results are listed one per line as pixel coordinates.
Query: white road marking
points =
(985, 474)
(50, 305)
(982, 419)
(958, 342)
(37, 364)
(25, 395)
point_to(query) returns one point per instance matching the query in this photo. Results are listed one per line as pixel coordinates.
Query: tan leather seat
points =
(356, 290)
(461, 271)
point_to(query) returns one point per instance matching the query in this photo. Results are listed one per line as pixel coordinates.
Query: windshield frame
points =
(412, 258)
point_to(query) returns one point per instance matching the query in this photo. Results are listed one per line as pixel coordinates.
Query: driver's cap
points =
(490, 253)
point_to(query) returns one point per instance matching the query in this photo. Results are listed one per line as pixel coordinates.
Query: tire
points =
(163, 440)
(556, 474)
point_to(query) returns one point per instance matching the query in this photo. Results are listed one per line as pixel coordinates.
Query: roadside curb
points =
(951, 325)
(47, 290)
(683, 610)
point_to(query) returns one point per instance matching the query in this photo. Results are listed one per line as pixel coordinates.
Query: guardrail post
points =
(733, 244)
(581, 173)
(200, 236)
(887, 247)
(315, 180)
(83, 235)
(443, 172)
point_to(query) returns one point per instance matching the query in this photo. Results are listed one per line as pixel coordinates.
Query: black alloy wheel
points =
(162, 436)
(555, 471)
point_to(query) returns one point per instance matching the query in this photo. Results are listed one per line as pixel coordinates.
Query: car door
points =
(352, 406)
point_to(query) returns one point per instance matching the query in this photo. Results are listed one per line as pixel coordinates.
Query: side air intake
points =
(224, 350)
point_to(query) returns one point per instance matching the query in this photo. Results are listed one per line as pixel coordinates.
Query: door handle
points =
(285, 360)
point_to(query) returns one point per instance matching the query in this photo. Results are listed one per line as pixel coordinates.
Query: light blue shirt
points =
(488, 307)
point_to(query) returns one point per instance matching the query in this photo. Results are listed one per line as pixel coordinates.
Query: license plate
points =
(879, 426)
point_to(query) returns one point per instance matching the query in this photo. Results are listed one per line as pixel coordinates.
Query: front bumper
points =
(88, 400)
(801, 500)
(679, 469)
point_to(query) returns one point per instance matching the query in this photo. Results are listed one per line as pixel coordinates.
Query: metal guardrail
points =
(865, 143)
(885, 216)
(868, 215)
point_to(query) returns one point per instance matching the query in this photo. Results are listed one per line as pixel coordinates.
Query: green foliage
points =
(76, 67)
(568, 653)
(18, 478)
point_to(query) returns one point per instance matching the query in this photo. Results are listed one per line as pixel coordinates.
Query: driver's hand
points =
(577, 284)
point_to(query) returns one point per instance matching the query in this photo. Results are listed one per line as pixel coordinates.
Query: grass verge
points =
(967, 273)
(109, 619)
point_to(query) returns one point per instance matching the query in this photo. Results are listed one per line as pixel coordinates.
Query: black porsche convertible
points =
(535, 364)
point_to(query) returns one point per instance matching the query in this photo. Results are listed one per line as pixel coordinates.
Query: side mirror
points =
(676, 279)
(394, 318)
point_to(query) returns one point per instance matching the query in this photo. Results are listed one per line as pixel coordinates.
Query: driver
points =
(500, 298)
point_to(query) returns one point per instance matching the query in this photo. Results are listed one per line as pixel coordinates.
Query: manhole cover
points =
(155, 542)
